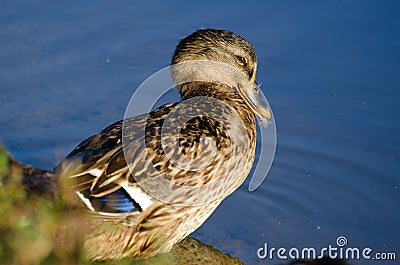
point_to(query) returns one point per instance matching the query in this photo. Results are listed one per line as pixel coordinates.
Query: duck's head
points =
(218, 56)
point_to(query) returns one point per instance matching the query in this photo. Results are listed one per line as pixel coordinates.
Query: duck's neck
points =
(225, 94)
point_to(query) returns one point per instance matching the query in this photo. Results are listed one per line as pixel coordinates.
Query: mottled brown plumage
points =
(109, 175)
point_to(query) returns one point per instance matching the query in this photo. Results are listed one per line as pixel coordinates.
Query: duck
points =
(143, 187)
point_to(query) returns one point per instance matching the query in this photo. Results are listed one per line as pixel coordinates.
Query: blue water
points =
(330, 70)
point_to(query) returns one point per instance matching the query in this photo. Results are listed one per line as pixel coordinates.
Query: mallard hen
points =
(129, 214)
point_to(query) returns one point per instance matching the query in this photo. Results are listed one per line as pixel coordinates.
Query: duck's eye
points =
(241, 59)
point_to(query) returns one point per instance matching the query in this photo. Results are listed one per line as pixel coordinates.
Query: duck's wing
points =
(108, 184)
(98, 167)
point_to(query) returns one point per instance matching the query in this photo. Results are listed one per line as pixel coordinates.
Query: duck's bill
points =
(256, 100)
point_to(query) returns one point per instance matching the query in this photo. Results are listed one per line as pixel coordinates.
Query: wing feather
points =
(99, 170)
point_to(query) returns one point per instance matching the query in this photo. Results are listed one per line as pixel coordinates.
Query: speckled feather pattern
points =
(145, 229)
(99, 166)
